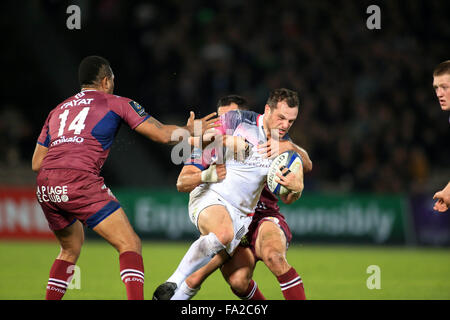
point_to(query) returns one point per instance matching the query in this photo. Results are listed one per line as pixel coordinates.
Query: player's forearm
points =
(189, 181)
(170, 136)
(292, 196)
(307, 163)
(162, 133)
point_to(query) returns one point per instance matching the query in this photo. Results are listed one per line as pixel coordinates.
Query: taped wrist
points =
(210, 174)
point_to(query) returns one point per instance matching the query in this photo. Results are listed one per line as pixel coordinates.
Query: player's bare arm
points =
(272, 150)
(190, 176)
(162, 133)
(38, 156)
(293, 182)
(307, 163)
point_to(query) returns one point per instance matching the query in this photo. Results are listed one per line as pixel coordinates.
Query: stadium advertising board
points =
(163, 215)
(352, 218)
(21, 216)
(430, 227)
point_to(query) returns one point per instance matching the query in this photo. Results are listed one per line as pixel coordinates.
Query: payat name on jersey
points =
(76, 102)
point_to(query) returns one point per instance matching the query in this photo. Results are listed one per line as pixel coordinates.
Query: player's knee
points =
(225, 236)
(70, 254)
(238, 283)
(275, 260)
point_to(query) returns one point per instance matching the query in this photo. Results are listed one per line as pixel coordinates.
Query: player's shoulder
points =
(114, 98)
(246, 116)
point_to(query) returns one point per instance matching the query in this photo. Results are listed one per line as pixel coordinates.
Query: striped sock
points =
(292, 285)
(60, 276)
(252, 292)
(132, 274)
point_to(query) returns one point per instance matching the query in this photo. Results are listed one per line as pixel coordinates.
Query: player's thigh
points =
(238, 271)
(117, 230)
(71, 240)
(217, 220)
(270, 239)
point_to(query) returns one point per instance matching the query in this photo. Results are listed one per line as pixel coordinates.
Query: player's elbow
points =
(292, 197)
(182, 187)
(35, 165)
(289, 200)
(308, 166)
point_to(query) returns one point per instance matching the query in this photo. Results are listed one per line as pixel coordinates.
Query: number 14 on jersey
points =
(77, 125)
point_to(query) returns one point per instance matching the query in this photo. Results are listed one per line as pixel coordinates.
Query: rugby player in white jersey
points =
(222, 211)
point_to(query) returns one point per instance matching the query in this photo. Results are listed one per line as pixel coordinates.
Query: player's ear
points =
(107, 84)
(104, 83)
(267, 110)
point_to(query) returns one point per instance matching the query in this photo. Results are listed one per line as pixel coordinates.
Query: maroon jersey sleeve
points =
(130, 111)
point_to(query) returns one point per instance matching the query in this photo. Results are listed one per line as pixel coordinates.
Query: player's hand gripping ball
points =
(288, 159)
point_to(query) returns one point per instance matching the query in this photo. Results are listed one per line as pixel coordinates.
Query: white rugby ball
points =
(290, 160)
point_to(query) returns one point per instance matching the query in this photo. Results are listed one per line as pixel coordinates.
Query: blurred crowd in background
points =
(368, 116)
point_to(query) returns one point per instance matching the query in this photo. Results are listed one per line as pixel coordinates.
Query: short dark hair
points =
(92, 70)
(233, 98)
(283, 94)
(442, 68)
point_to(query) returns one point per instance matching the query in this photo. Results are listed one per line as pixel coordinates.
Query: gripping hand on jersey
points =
(237, 148)
(214, 173)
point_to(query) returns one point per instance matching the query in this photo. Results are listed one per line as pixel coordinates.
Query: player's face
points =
(441, 85)
(280, 118)
(224, 109)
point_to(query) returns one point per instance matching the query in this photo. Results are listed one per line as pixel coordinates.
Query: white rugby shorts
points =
(201, 198)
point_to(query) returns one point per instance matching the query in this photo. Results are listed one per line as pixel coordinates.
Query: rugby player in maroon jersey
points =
(267, 239)
(70, 152)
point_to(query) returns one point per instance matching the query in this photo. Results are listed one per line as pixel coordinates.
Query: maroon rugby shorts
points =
(249, 240)
(69, 194)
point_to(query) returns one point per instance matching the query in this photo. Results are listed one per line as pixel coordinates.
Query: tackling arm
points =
(156, 131)
(191, 176)
(307, 163)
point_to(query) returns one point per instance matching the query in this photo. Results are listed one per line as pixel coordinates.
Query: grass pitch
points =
(328, 272)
